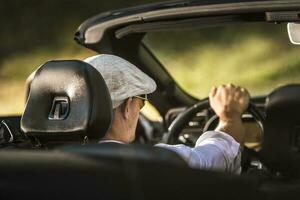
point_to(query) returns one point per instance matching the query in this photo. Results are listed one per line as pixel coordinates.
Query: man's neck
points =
(118, 130)
(114, 136)
(110, 136)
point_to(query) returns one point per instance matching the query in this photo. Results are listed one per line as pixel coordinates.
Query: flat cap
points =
(122, 78)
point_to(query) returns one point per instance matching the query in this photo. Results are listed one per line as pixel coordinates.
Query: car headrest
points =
(281, 140)
(68, 101)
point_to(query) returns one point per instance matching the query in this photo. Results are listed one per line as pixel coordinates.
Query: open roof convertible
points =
(43, 155)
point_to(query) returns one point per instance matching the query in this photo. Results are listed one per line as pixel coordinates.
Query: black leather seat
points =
(281, 140)
(68, 101)
(64, 175)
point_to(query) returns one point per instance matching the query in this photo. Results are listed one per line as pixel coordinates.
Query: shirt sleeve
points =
(214, 150)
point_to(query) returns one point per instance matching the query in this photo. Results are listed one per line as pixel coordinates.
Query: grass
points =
(15, 69)
(12, 97)
(258, 57)
(256, 60)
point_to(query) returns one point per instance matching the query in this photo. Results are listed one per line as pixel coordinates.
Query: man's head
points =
(128, 87)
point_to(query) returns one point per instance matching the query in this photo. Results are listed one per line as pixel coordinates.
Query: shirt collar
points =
(113, 141)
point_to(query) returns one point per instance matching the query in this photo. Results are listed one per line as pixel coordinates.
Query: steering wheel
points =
(183, 118)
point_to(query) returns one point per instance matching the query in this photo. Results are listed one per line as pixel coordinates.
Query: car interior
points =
(52, 150)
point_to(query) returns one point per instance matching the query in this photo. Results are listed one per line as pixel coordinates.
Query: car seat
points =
(68, 101)
(281, 139)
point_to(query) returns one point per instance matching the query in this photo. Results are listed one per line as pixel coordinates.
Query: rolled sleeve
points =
(213, 150)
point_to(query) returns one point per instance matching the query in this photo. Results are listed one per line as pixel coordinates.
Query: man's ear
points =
(126, 108)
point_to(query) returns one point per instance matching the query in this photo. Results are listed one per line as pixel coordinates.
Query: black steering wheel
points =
(183, 118)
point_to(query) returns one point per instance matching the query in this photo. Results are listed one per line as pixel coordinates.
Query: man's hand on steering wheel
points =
(229, 102)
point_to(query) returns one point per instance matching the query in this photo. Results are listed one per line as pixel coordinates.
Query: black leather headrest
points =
(68, 100)
(281, 140)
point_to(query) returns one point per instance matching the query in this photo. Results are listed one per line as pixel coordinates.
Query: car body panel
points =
(94, 29)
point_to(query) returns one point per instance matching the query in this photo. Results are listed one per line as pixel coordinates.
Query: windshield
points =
(257, 56)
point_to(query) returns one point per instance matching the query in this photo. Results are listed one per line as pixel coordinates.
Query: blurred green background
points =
(33, 32)
(256, 56)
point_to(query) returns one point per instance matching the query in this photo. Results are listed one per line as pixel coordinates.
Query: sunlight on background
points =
(151, 113)
(256, 56)
(15, 70)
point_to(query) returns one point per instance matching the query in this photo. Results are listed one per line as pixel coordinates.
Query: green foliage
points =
(15, 70)
(256, 56)
(33, 32)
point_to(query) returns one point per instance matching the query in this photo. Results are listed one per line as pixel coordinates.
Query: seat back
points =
(74, 175)
(281, 140)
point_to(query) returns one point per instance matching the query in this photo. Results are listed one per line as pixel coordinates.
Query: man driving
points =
(129, 86)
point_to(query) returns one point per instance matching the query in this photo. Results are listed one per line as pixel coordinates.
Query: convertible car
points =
(51, 151)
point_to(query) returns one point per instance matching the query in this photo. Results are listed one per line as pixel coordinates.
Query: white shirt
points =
(214, 150)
